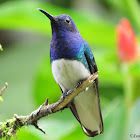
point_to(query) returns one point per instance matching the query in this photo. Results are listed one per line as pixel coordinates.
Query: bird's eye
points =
(67, 20)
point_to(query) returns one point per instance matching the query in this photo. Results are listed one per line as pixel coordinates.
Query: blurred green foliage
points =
(25, 65)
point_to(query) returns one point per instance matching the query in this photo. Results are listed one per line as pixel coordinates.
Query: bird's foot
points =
(62, 109)
(64, 95)
(80, 82)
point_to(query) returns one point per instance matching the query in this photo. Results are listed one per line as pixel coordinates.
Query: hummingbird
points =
(72, 61)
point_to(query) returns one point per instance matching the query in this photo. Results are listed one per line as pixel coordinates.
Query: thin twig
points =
(3, 89)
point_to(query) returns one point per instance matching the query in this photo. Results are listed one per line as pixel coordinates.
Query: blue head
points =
(61, 24)
(66, 40)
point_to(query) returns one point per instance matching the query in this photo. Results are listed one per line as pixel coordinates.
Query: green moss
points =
(9, 128)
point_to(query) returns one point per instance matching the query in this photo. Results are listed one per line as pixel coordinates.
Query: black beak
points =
(52, 18)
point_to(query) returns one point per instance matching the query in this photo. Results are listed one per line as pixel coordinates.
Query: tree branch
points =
(3, 90)
(9, 128)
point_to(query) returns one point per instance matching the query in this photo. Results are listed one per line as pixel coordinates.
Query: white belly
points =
(67, 73)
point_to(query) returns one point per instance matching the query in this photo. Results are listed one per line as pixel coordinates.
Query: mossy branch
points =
(9, 128)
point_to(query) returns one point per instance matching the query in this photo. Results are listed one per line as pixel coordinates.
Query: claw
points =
(80, 82)
(64, 94)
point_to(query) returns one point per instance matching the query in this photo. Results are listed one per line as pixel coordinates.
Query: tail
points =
(86, 109)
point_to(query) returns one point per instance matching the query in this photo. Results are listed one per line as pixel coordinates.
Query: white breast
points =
(67, 73)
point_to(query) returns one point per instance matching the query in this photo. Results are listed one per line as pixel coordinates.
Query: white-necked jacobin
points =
(72, 61)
